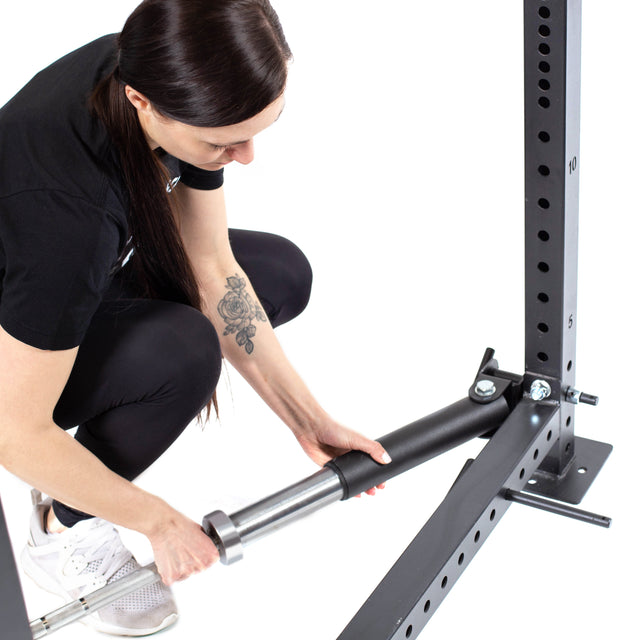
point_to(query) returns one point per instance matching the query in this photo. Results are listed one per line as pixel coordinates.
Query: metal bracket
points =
(571, 487)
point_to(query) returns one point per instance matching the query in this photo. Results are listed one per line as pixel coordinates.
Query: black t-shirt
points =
(63, 202)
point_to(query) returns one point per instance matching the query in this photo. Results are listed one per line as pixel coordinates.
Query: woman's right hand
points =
(181, 548)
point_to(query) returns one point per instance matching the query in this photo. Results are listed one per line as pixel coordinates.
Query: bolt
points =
(485, 388)
(540, 389)
(574, 396)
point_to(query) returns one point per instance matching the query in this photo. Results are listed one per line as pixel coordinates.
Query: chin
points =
(212, 166)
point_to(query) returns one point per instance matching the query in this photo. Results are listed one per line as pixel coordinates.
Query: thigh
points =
(141, 352)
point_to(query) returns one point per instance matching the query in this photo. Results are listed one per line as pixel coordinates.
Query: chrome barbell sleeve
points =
(231, 533)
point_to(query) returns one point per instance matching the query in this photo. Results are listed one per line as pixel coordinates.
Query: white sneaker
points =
(88, 556)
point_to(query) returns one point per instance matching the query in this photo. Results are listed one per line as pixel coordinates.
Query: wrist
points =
(308, 421)
(159, 517)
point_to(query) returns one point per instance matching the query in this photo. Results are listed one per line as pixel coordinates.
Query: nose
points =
(242, 153)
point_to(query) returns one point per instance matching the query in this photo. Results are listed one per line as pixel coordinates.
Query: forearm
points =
(249, 343)
(252, 348)
(270, 373)
(51, 460)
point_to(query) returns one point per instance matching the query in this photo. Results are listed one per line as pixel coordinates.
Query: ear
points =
(138, 100)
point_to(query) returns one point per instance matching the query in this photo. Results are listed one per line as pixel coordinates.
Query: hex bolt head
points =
(540, 389)
(485, 388)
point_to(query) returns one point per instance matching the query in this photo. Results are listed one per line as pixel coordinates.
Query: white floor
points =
(397, 167)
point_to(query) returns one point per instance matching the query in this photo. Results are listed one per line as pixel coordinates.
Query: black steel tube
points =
(558, 508)
(418, 442)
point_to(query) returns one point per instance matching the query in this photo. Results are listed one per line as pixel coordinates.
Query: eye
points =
(216, 147)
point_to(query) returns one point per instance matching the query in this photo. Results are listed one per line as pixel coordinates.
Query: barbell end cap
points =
(222, 530)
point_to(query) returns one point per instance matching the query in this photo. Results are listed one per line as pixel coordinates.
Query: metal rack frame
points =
(536, 448)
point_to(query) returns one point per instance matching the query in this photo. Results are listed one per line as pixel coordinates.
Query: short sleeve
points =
(58, 255)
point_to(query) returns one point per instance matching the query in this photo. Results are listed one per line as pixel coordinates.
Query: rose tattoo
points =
(238, 310)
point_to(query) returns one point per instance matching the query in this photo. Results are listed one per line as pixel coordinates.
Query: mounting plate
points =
(589, 458)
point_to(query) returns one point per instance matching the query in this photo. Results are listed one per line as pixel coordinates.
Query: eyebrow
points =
(233, 144)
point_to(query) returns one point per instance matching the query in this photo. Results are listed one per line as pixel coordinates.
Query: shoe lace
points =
(102, 549)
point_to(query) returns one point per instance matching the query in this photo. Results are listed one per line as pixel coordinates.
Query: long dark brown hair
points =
(208, 63)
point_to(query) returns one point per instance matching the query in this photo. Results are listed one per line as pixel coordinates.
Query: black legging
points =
(146, 368)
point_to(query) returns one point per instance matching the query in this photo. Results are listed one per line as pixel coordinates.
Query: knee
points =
(184, 346)
(201, 362)
(294, 282)
(279, 272)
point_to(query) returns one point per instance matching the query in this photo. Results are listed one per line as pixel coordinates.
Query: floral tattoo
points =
(238, 310)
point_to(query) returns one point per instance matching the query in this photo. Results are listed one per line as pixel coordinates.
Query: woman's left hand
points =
(330, 439)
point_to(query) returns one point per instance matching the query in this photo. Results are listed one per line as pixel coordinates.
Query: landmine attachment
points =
(490, 401)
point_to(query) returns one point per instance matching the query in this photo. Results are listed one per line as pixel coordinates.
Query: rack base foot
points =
(589, 459)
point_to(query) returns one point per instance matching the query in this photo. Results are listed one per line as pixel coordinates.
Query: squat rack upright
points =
(536, 448)
(532, 455)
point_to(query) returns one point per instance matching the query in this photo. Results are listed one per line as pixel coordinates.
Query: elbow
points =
(7, 449)
(4, 447)
(13, 443)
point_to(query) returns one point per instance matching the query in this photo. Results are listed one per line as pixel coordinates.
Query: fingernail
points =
(386, 458)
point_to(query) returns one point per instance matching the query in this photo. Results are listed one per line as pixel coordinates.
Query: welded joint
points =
(491, 383)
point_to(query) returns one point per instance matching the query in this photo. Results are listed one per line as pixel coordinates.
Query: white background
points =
(398, 168)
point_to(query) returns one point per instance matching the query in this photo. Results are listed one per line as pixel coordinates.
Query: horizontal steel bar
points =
(94, 601)
(259, 519)
(354, 472)
(231, 533)
(558, 508)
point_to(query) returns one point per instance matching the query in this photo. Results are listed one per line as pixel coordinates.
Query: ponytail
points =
(159, 263)
(207, 63)
(159, 260)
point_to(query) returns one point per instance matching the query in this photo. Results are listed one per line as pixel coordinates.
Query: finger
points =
(375, 450)
(371, 447)
(168, 579)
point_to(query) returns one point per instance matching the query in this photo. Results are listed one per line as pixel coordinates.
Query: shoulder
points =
(49, 138)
